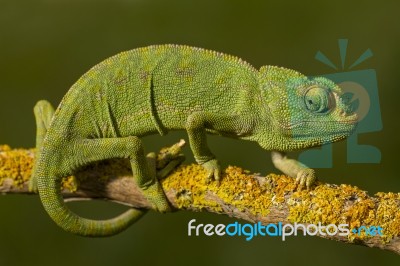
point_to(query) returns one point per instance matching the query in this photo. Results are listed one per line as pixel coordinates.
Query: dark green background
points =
(46, 45)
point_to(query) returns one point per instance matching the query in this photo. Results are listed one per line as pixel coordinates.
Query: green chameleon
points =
(156, 89)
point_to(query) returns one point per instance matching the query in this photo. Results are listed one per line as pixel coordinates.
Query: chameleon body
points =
(156, 89)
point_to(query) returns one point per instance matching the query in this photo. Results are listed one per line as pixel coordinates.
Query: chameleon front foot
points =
(303, 175)
(306, 178)
(213, 170)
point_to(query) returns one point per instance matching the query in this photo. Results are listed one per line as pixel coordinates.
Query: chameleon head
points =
(304, 112)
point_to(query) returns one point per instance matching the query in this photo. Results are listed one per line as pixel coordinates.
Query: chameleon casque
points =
(160, 88)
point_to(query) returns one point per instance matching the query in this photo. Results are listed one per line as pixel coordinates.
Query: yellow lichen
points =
(345, 204)
(15, 164)
(237, 188)
(5, 148)
(324, 203)
(387, 214)
(70, 183)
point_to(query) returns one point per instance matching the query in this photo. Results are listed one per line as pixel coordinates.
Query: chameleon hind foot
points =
(161, 165)
(144, 170)
(155, 195)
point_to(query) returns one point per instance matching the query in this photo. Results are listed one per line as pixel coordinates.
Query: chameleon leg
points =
(304, 176)
(196, 126)
(196, 129)
(130, 147)
(44, 112)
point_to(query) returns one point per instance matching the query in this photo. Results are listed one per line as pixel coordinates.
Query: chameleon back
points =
(154, 89)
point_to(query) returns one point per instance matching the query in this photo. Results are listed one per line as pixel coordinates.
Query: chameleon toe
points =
(155, 195)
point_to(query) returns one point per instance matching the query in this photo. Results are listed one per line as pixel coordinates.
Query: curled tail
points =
(49, 186)
(53, 202)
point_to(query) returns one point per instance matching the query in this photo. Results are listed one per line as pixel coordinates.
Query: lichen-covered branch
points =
(242, 195)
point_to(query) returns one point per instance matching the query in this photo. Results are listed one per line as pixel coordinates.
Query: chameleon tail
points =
(53, 202)
(50, 194)
(44, 113)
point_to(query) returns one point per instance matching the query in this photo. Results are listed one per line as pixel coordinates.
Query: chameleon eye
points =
(318, 100)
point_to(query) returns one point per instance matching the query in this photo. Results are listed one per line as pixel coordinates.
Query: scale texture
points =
(156, 89)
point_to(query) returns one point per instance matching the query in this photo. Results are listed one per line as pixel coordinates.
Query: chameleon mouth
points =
(314, 124)
(337, 135)
(349, 122)
(307, 130)
(351, 118)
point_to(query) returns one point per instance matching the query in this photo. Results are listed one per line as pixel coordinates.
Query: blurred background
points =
(45, 46)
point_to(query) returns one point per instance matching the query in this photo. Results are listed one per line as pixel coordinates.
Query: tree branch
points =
(242, 195)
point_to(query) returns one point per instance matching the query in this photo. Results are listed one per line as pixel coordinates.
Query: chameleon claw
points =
(217, 174)
(305, 178)
(213, 170)
(209, 177)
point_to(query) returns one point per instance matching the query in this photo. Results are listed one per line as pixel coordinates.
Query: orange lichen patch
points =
(16, 164)
(237, 188)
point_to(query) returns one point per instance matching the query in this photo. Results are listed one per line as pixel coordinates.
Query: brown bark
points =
(248, 197)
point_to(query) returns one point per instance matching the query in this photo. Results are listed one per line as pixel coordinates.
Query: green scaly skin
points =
(156, 89)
